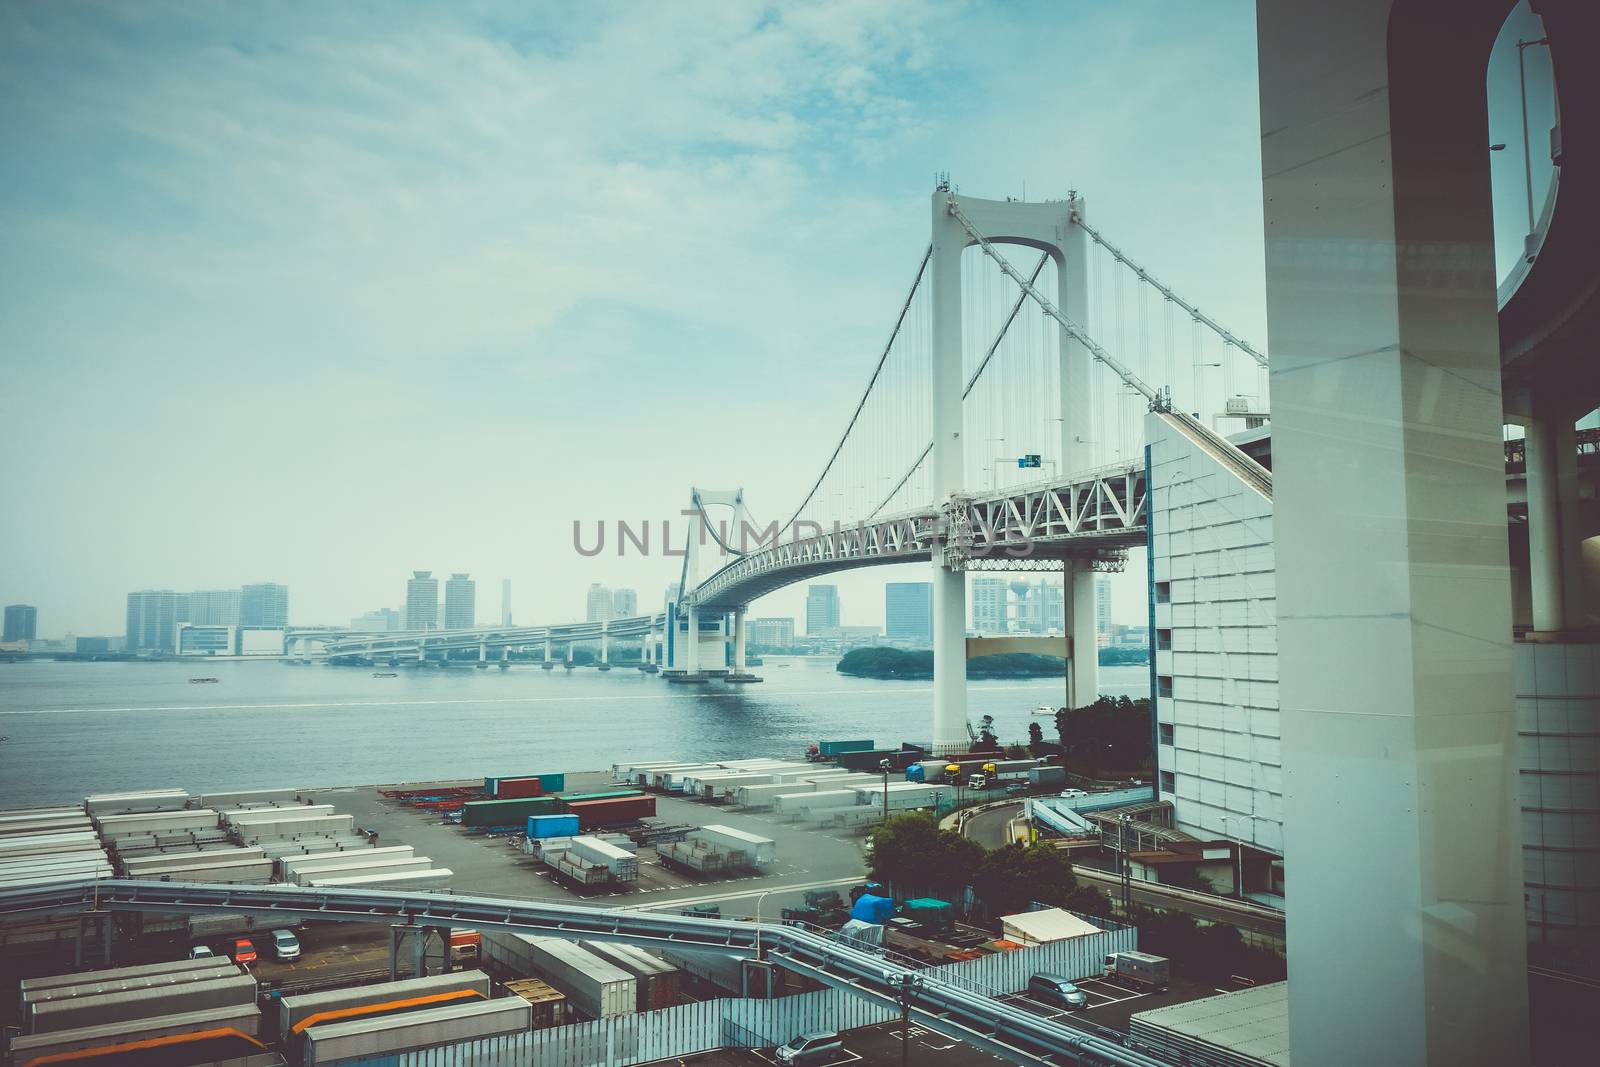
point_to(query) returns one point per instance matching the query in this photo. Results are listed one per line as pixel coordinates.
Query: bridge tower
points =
(1050, 227)
(689, 658)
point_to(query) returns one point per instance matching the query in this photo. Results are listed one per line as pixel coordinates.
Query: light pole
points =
(883, 765)
(1194, 384)
(1238, 854)
(759, 899)
(908, 985)
(1127, 868)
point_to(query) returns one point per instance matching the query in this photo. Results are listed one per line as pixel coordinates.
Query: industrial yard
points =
(768, 838)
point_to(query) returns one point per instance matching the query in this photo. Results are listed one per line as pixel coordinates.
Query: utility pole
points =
(883, 765)
(908, 985)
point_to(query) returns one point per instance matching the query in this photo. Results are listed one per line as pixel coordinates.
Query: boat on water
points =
(201, 681)
(1043, 709)
(385, 674)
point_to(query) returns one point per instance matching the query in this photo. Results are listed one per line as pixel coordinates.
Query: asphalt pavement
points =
(869, 1045)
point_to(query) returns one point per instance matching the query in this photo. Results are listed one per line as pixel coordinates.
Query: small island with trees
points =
(878, 662)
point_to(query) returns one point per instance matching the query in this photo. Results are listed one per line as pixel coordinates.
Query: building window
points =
(1163, 640)
(1163, 685)
(1164, 730)
(1163, 592)
(1168, 783)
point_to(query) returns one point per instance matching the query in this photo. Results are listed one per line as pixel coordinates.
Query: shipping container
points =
(297, 1011)
(760, 796)
(904, 796)
(1047, 776)
(332, 859)
(250, 871)
(381, 865)
(596, 988)
(240, 817)
(897, 758)
(759, 851)
(49, 1016)
(481, 813)
(831, 749)
(148, 800)
(796, 805)
(44, 824)
(594, 813)
(543, 826)
(243, 1018)
(657, 982)
(119, 981)
(37, 844)
(623, 865)
(144, 866)
(250, 796)
(437, 878)
(605, 794)
(58, 981)
(548, 783)
(297, 826)
(368, 1040)
(549, 1004)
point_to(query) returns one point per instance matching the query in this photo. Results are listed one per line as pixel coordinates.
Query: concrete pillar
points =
(547, 650)
(419, 936)
(1072, 296)
(444, 948)
(395, 933)
(1544, 524)
(1393, 581)
(1565, 443)
(949, 586)
(738, 640)
(691, 646)
(605, 644)
(422, 650)
(1079, 608)
(483, 652)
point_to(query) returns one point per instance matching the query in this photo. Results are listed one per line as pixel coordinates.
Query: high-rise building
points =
(22, 622)
(989, 600)
(264, 604)
(908, 611)
(822, 610)
(505, 602)
(669, 596)
(214, 607)
(770, 632)
(460, 603)
(422, 601)
(624, 603)
(153, 618)
(383, 620)
(1050, 607)
(1102, 613)
(598, 608)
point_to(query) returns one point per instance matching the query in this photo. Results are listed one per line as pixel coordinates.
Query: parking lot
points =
(1111, 1005)
(868, 1045)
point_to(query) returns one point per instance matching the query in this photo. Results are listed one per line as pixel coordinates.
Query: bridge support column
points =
(483, 652)
(691, 645)
(1072, 290)
(422, 650)
(1544, 523)
(949, 586)
(1572, 594)
(738, 640)
(1393, 590)
(1079, 607)
(605, 646)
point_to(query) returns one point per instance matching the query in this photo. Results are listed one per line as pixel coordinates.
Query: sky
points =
(351, 290)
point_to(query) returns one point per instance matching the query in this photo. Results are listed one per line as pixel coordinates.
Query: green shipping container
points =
(506, 812)
(608, 795)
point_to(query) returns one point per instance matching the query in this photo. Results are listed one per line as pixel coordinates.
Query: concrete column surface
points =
(1072, 296)
(1544, 525)
(949, 587)
(691, 647)
(738, 639)
(1573, 601)
(949, 660)
(1404, 911)
(1078, 598)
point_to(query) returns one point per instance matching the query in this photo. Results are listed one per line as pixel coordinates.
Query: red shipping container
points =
(596, 813)
(519, 788)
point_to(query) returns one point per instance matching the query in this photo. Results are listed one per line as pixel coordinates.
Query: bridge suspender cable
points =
(862, 403)
(994, 346)
(1077, 333)
(1155, 283)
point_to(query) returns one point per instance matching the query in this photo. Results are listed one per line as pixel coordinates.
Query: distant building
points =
(624, 603)
(770, 632)
(908, 611)
(1039, 608)
(153, 618)
(264, 604)
(422, 601)
(214, 607)
(22, 622)
(90, 646)
(822, 610)
(207, 640)
(505, 602)
(989, 606)
(599, 606)
(460, 603)
(1103, 630)
(383, 620)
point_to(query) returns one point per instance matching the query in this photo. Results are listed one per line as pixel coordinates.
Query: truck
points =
(823, 907)
(594, 986)
(1138, 969)
(759, 852)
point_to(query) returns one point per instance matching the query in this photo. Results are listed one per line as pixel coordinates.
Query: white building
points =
(422, 601)
(1102, 613)
(599, 605)
(460, 603)
(989, 599)
(624, 603)
(206, 639)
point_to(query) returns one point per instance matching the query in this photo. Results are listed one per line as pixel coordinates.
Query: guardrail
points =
(980, 1021)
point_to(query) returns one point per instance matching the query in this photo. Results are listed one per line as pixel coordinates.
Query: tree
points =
(1035, 734)
(1063, 720)
(1010, 878)
(910, 850)
(986, 735)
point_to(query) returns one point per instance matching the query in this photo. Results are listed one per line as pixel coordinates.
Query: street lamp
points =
(759, 899)
(883, 765)
(1194, 384)
(908, 985)
(1238, 853)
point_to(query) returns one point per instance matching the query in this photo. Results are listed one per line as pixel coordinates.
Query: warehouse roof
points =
(1248, 1027)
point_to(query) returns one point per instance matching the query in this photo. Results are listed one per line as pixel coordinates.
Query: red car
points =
(244, 953)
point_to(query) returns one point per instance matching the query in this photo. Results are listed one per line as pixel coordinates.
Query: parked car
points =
(244, 952)
(200, 952)
(1068, 794)
(285, 946)
(1016, 788)
(810, 1048)
(1057, 991)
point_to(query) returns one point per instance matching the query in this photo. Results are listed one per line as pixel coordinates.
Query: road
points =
(989, 828)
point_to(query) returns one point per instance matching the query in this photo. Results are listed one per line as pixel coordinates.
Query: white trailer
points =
(760, 851)
(437, 878)
(332, 860)
(249, 871)
(150, 866)
(798, 805)
(622, 864)
(157, 822)
(903, 796)
(250, 796)
(760, 796)
(269, 813)
(298, 826)
(147, 800)
(382, 865)
(597, 988)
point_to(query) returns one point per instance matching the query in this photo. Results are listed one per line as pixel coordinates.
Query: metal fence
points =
(734, 1021)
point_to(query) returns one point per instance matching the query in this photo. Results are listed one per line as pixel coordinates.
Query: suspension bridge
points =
(1001, 428)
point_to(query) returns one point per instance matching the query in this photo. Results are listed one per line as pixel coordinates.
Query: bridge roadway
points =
(964, 1014)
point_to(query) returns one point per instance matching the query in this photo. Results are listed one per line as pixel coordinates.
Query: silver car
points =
(818, 1047)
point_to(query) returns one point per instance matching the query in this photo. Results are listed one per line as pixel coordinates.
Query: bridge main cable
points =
(1155, 283)
(1132, 380)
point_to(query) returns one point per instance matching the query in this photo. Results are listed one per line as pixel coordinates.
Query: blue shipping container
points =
(835, 748)
(541, 826)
